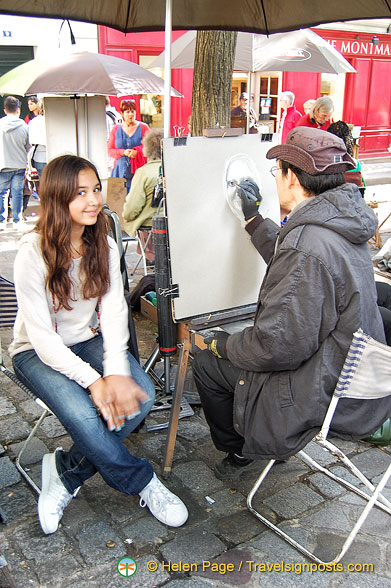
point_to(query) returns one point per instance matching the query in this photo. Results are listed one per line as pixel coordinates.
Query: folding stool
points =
(366, 375)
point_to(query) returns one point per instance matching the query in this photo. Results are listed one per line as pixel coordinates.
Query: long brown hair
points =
(57, 189)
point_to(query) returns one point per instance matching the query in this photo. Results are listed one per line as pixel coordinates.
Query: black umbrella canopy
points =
(258, 16)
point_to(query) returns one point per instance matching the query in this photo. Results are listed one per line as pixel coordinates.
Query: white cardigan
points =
(35, 321)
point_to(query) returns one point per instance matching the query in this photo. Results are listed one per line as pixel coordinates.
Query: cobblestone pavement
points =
(101, 526)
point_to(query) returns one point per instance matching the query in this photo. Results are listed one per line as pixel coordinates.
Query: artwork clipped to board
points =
(212, 260)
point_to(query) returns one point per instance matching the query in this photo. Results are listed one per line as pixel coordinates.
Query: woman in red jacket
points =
(320, 117)
(124, 143)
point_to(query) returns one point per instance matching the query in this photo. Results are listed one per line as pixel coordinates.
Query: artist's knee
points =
(204, 365)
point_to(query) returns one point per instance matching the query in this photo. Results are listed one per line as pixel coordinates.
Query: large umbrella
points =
(81, 73)
(258, 16)
(301, 50)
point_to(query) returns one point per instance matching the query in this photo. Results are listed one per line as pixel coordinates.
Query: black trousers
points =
(384, 303)
(216, 380)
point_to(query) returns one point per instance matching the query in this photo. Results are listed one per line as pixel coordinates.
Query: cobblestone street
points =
(222, 543)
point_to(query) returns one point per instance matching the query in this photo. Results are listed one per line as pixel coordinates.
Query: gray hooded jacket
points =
(318, 289)
(14, 143)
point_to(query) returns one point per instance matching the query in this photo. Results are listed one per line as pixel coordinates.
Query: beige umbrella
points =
(81, 73)
(301, 50)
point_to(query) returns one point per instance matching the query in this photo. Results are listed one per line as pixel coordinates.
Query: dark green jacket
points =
(318, 289)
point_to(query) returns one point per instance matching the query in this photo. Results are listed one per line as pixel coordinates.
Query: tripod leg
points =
(176, 407)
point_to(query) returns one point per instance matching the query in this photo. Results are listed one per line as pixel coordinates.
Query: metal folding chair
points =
(46, 411)
(8, 308)
(366, 375)
(142, 257)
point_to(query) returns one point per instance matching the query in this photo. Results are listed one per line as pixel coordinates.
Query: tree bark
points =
(212, 81)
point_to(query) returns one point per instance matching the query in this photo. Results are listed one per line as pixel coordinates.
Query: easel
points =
(190, 338)
(376, 239)
(217, 301)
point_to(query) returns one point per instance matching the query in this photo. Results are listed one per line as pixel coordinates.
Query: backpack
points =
(116, 119)
(146, 284)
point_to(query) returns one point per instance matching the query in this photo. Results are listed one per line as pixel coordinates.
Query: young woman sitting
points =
(70, 346)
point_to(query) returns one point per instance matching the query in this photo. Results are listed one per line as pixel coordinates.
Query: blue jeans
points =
(95, 447)
(12, 180)
(39, 166)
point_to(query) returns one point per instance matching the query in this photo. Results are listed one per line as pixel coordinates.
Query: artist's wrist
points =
(217, 345)
(253, 223)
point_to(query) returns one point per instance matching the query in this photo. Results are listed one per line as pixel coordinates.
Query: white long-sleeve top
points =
(35, 324)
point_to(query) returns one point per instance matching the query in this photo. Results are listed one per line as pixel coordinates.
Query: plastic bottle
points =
(151, 297)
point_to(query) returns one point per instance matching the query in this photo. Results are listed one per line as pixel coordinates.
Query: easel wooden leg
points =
(176, 407)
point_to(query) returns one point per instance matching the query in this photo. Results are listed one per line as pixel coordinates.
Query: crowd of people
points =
(22, 158)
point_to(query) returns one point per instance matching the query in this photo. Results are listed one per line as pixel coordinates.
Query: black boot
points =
(232, 466)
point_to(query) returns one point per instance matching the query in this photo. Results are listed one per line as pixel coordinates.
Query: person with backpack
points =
(113, 118)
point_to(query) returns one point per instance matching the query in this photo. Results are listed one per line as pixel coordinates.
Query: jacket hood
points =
(8, 123)
(342, 210)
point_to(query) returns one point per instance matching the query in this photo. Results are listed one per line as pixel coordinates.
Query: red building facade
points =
(366, 95)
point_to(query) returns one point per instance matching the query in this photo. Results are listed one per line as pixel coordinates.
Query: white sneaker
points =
(3, 226)
(163, 504)
(54, 496)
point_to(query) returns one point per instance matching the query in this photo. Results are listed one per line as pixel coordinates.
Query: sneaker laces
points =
(157, 496)
(61, 498)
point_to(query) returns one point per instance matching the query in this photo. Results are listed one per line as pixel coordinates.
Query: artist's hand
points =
(250, 196)
(216, 343)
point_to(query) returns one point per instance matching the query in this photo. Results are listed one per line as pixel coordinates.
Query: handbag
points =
(31, 173)
(382, 436)
(158, 191)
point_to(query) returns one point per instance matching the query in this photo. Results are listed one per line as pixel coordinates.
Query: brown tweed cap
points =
(314, 151)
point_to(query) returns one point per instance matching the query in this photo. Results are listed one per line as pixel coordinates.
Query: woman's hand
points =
(125, 396)
(133, 153)
(100, 395)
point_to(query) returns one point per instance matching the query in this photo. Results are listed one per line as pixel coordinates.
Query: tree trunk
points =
(212, 81)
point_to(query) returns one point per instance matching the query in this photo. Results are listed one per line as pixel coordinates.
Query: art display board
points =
(89, 117)
(212, 259)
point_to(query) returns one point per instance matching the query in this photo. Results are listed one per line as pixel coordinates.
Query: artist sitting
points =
(265, 390)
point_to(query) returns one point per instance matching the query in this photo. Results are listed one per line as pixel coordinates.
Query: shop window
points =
(151, 105)
(268, 96)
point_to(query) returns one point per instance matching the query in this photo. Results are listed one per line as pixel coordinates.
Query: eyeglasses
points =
(274, 170)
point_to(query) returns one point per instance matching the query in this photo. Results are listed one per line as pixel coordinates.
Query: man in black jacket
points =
(265, 390)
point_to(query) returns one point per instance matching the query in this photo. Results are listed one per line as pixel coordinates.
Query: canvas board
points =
(212, 259)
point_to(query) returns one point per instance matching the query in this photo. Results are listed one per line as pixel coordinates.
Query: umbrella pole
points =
(248, 101)
(86, 152)
(76, 106)
(167, 69)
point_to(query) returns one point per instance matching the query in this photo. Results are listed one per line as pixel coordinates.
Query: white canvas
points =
(212, 258)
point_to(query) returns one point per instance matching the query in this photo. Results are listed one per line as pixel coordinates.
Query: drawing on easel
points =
(213, 264)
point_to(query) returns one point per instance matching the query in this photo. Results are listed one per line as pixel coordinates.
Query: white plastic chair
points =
(366, 375)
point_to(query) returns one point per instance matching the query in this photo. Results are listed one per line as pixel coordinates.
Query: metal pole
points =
(167, 70)
(75, 103)
(248, 101)
(86, 126)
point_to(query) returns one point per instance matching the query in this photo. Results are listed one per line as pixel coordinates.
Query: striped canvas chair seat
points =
(8, 304)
